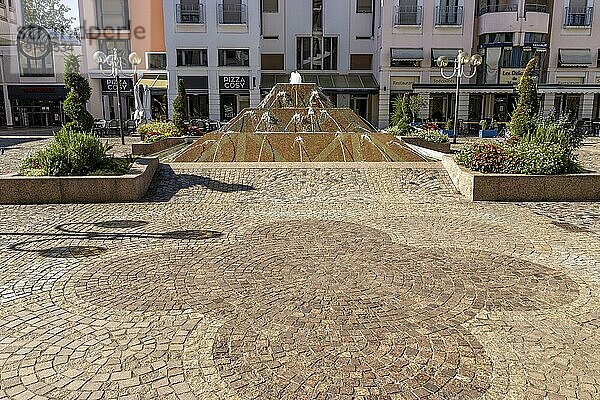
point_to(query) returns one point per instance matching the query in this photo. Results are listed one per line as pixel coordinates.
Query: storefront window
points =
(198, 105)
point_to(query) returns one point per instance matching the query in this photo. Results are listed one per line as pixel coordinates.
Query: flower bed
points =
(154, 131)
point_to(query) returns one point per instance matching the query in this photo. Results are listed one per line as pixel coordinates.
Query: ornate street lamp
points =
(115, 70)
(462, 59)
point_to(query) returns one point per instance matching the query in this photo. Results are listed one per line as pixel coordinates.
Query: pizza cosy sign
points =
(234, 83)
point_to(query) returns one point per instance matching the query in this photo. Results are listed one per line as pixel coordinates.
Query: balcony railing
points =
(536, 7)
(190, 14)
(232, 14)
(452, 15)
(579, 16)
(493, 8)
(408, 15)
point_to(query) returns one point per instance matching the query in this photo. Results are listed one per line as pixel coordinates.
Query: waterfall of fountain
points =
(296, 119)
(365, 137)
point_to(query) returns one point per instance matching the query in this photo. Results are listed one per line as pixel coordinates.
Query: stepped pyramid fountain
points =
(296, 122)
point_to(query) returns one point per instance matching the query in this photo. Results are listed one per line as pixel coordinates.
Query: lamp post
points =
(115, 65)
(462, 59)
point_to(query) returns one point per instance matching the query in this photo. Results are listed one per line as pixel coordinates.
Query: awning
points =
(450, 53)
(154, 81)
(407, 54)
(574, 57)
(328, 82)
(466, 88)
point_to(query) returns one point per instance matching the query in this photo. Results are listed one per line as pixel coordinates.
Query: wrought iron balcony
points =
(408, 15)
(232, 14)
(190, 13)
(579, 16)
(452, 15)
(494, 8)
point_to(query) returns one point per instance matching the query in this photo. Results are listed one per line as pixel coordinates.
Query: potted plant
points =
(488, 129)
(449, 128)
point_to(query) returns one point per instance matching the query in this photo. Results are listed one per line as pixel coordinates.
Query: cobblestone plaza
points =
(317, 282)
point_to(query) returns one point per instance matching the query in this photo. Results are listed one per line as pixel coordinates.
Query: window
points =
(192, 58)
(234, 58)
(406, 57)
(232, 12)
(364, 6)
(270, 6)
(112, 14)
(35, 53)
(273, 62)
(157, 61)
(317, 12)
(122, 46)
(598, 61)
(361, 61)
(317, 53)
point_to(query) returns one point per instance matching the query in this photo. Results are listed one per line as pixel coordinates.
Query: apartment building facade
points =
(128, 26)
(214, 47)
(365, 53)
(31, 70)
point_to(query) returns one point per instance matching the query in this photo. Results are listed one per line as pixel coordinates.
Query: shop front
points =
(155, 88)
(196, 88)
(234, 92)
(109, 99)
(399, 86)
(37, 105)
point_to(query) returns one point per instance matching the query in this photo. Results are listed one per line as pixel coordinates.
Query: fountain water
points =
(299, 114)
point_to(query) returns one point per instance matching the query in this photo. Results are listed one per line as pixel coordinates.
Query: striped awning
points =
(154, 81)
(328, 82)
(407, 54)
(575, 57)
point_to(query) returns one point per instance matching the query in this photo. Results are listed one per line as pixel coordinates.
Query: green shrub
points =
(556, 130)
(157, 130)
(80, 92)
(70, 153)
(401, 112)
(180, 114)
(522, 119)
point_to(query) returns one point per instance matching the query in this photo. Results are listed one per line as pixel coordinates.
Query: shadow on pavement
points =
(167, 183)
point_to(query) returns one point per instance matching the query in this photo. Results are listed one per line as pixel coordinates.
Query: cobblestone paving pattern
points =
(300, 284)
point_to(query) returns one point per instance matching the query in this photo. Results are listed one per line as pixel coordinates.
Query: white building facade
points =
(214, 47)
(365, 53)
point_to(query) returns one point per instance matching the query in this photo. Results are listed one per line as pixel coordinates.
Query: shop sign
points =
(511, 75)
(38, 92)
(570, 80)
(440, 80)
(403, 82)
(234, 83)
(110, 85)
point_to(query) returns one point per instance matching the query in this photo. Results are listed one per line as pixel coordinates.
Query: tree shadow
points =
(167, 183)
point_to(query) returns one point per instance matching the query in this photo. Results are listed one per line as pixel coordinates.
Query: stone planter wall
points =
(441, 147)
(523, 188)
(145, 149)
(15, 189)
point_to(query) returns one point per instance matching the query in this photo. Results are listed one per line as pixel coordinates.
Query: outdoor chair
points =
(112, 127)
(99, 128)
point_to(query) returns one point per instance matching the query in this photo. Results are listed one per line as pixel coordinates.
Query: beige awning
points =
(154, 81)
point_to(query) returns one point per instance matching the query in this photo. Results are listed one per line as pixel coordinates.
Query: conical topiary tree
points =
(523, 118)
(80, 92)
(180, 114)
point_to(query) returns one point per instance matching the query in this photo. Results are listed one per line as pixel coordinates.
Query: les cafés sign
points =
(511, 75)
